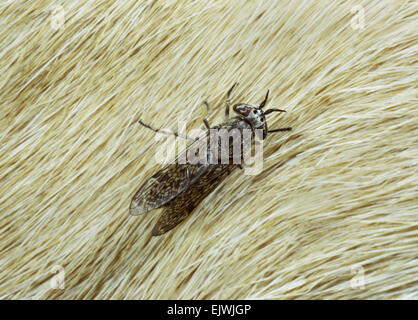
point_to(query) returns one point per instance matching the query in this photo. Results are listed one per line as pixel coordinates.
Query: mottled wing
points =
(168, 182)
(181, 206)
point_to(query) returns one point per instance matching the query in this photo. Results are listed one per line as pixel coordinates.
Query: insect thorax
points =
(230, 139)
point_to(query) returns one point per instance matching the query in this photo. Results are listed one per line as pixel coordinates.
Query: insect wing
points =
(170, 181)
(181, 206)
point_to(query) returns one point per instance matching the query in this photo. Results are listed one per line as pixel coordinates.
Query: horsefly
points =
(183, 183)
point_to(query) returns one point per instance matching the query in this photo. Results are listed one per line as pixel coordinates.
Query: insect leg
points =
(228, 100)
(227, 111)
(165, 132)
(280, 129)
(207, 107)
(206, 124)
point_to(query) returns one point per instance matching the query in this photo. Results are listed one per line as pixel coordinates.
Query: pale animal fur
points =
(333, 215)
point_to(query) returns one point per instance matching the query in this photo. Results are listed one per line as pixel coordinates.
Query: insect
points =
(180, 187)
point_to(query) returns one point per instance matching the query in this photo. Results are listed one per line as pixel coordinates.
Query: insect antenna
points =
(228, 95)
(273, 110)
(264, 101)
